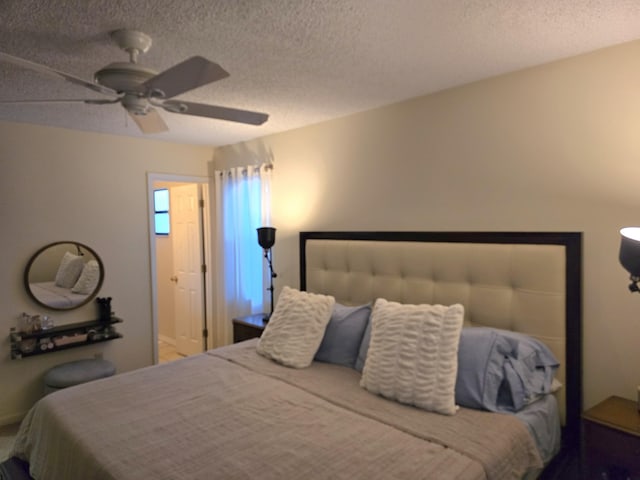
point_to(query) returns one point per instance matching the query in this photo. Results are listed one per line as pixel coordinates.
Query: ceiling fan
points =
(139, 89)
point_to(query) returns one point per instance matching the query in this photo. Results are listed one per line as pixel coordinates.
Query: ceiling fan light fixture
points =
(135, 105)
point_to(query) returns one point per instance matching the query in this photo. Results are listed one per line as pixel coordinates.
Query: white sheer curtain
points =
(242, 204)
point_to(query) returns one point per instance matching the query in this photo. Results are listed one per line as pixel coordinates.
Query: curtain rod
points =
(245, 170)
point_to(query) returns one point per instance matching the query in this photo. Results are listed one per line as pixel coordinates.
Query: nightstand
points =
(250, 326)
(611, 447)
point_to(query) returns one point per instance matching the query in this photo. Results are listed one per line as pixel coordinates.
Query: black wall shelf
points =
(62, 337)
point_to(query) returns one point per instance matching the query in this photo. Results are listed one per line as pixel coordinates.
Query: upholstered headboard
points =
(525, 282)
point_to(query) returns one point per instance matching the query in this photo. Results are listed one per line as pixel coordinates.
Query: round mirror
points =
(64, 275)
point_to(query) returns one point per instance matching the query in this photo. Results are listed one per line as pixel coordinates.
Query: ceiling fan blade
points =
(152, 122)
(192, 73)
(55, 73)
(214, 111)
(100, 101)
(92, 101)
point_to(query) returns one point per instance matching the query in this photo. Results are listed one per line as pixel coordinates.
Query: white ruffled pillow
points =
(89, 278)
(296, 327)
(413, 354)
(69, 270)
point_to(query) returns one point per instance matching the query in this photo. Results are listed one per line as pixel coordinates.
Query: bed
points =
(235, 413)
(57, 297)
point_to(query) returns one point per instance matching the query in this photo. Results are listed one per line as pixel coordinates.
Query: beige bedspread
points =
(231, 414)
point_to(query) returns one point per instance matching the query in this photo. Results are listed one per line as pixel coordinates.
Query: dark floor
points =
(14, 469)
(566, 466)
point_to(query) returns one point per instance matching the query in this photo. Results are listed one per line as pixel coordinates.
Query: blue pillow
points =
(502, 371)
(343, 335)
(364, 347)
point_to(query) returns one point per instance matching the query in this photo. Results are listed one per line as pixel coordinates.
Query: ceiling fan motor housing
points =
(124, 77)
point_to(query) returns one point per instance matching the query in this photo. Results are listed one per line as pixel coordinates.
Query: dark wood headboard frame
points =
(572, 241)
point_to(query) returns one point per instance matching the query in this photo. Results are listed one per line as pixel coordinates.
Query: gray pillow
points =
(502, 371)
(343, 335)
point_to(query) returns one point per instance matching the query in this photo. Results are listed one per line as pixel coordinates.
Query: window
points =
(242, 205)
(161, 211)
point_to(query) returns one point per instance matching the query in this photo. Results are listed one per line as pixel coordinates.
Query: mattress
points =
(232, 414)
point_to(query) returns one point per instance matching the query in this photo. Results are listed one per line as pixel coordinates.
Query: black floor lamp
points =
(266, 239)
(630, 255)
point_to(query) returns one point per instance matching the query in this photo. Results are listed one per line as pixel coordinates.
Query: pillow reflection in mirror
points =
(89, 278)
(69, 270)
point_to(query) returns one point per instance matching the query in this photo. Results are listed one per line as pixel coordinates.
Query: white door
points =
(187, 262)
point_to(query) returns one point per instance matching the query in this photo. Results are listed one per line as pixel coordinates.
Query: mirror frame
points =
(79, 246)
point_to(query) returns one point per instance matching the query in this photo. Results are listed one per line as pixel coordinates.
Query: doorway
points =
(181, 286)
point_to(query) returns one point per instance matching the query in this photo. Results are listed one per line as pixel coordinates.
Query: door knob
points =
(174, 279)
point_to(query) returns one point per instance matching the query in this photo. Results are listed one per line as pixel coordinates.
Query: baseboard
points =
(11, 419)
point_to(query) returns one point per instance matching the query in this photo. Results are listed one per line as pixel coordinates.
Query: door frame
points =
(152, 178)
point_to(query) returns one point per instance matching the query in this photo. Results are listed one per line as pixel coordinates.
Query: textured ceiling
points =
(301, 61)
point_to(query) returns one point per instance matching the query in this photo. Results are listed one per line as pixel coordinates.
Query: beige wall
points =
(552, 148)
(58, 184)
